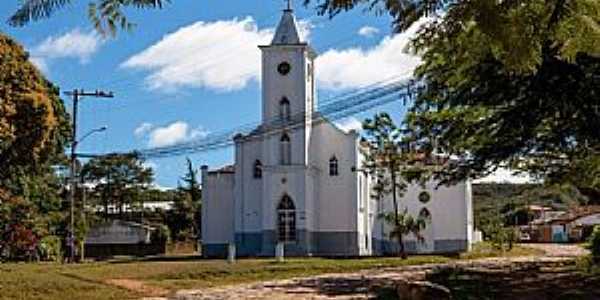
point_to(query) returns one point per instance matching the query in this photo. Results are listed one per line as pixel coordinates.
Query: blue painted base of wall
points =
(214, 250)
(321, 244)
(307, 243)
(387, 247)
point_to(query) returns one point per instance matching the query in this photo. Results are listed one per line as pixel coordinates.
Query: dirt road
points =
(366, 284)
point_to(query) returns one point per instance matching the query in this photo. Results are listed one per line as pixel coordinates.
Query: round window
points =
(284, 68)
(424, 197)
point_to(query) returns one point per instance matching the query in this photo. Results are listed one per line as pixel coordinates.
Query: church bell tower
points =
(287, 73)
(288, 87)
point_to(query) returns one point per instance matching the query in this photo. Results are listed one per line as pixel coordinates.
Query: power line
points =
(338, 108)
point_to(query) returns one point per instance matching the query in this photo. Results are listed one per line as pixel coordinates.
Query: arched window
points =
(333, 166)
(286, 149)
(257, 169)
(286, 220)
(284, 109)
(425, 214)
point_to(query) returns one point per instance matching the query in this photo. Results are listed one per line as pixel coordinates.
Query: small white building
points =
(294, 179)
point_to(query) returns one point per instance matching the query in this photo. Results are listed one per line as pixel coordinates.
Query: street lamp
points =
(73, 187)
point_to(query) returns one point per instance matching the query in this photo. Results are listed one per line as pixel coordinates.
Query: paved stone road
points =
(361, 285)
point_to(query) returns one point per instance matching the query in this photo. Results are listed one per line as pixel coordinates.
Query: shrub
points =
(594, 244)
(160, 234)
(50, 248)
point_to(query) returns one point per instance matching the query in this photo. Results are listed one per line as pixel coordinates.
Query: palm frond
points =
(34, 10)
(107, 16)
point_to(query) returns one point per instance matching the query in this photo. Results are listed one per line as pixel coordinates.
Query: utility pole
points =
(77, 94)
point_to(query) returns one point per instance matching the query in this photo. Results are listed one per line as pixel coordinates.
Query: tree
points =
(34, 129)
(34, 126)
(390, 162)
(107, 15)
(117, 180)
(19, 231)
(525, 95)
(184, 219)
(506, 83)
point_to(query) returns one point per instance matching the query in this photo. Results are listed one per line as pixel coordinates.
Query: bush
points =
(501, 237)
(50, 248)
(594, 244)
(161, 234)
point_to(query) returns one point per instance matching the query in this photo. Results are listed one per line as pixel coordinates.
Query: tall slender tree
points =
(187, 208)
(391, 163)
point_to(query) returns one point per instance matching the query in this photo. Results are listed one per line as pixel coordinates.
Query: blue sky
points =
(191, 69)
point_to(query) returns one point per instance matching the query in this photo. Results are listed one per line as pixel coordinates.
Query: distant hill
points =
(490, 199)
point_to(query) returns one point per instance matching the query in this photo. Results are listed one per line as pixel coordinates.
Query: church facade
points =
(295, 179)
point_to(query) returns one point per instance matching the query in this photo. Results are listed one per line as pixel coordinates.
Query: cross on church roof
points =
(287, 31)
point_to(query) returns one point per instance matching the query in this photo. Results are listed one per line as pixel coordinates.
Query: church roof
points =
(287, 30)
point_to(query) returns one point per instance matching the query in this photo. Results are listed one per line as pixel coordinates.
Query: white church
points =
(295, 182)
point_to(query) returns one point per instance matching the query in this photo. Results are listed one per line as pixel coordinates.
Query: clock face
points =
(284, 68)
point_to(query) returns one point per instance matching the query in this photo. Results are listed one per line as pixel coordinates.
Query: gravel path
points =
(559, 250)
(364, 284)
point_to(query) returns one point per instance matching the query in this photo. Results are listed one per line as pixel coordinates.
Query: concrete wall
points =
(450, 229)
(118, 232)
(249, 190)
(338, 201)
(217, 210)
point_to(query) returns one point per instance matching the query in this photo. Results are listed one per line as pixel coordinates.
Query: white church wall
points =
(449, 216)
(338, 194)
(248, 206)
(217, 211)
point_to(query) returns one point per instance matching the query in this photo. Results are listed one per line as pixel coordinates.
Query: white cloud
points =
(356, 67)
(40, 63)
(221, 55)
(504, 175)
(150, 164)
(174, 133)
(142, 129)
(349, 124)
(368, 31)
(73, 44)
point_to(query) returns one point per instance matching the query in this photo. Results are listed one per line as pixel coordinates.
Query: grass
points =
(90, 280)
(485, 249)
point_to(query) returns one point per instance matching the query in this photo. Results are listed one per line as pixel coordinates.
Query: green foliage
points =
(50, 248)
(33, 122)
(403, 12)
(594, 244)
(392, 164)
(511, 83)
(511, 201)
(524, 94)
(117, 179)
(107, 16)
(19, 232)
(34, 129)
(500, 236)
(404, 224)
(161, 234)
(185, 217)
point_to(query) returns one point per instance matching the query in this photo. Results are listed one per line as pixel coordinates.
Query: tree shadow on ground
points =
(351, 287)
(533, 281)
